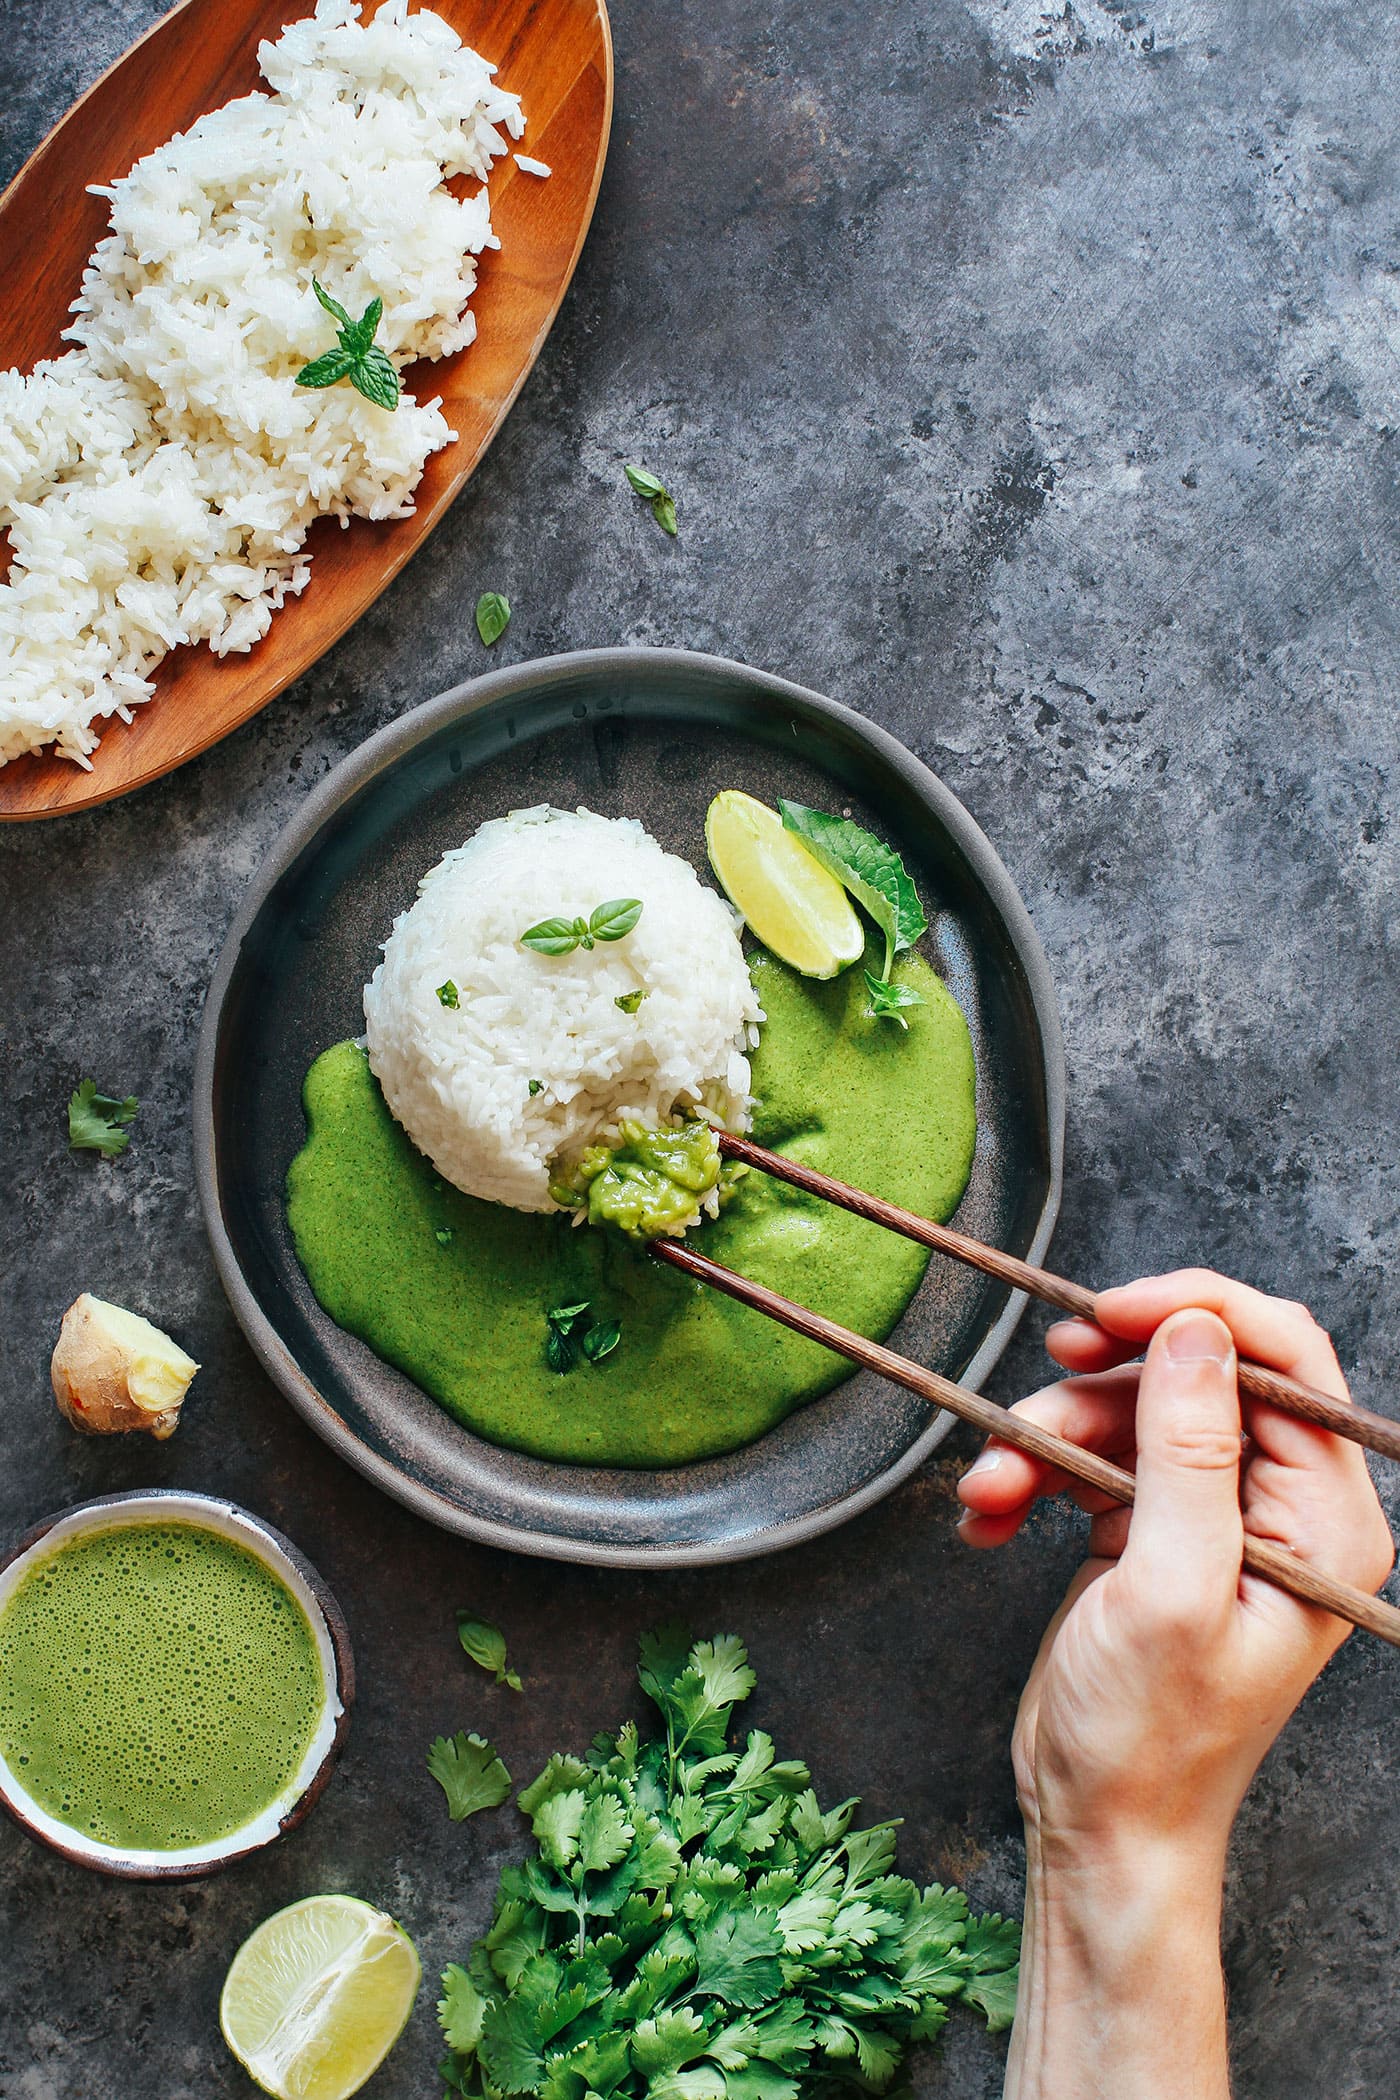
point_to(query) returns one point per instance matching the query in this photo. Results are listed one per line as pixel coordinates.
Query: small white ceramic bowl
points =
(323, 1615)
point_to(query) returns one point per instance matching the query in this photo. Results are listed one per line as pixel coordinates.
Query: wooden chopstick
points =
(1275, 1563)
(1359, 1424)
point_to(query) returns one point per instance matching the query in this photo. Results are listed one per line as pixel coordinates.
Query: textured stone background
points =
(1058, 434)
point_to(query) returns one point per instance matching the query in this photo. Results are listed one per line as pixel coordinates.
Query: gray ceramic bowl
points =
(327, 1623)
(652, 734)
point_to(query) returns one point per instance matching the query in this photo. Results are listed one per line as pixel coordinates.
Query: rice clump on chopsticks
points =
(502, 1063)
(159, 480)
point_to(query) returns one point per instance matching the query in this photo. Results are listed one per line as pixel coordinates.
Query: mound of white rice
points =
(158, 482)
(458, 1079)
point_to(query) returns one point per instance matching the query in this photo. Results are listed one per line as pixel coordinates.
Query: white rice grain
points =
(458, 1078)
(159, 480)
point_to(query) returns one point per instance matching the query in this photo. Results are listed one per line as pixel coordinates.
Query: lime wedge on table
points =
(794, 906)
(317, 1997)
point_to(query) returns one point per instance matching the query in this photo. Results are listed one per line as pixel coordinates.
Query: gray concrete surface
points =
(1029, 382)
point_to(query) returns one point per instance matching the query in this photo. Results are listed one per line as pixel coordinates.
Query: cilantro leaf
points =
(558, 1823)
(737, 1958)
(694, 1926)
(486, 1644)
(460, 2009)
(873, 873)
(96, 1121)
(517, 2029)
(605, 1834)
(995, 1997)
(470, 1774)
(667, 2042)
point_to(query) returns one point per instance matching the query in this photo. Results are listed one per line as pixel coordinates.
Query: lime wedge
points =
(793, 905)
(317, 1997)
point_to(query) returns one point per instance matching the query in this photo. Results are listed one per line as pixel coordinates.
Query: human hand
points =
(1167, 1672)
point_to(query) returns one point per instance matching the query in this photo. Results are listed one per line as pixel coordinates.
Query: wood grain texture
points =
(1359, 1425)
(1261, 1557)
(557, 56)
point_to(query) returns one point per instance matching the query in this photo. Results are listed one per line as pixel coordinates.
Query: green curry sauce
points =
(455, 1291)
(159, 1685)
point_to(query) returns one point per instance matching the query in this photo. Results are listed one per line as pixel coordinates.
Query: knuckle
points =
(1380, 1552)
(1180, 1612)
(1201, 1443)
(1197, 1284)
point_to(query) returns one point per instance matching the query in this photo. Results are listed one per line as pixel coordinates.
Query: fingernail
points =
(985, 1462)
(1198, 1338)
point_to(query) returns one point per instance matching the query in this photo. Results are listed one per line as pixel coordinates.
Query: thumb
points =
(1186, 1538)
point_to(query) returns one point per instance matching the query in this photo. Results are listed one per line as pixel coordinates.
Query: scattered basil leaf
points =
(470, 1773)
(336, 311)
(663, 503)
(628, 1002)
(886, 999)
(95, 1121)
(560, 1352)
(611, 921)
(356, 357)
(448, 995)
(567, 1315)
(600, 1341)
(486, 1645)
(554, 936)
(873, 873)
(443, 1235)
(571, 1328)
(373, 376)
(536, 1087)
(326, 369)
(492, 616)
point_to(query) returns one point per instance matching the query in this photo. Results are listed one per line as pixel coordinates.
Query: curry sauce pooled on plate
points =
(484, 1305)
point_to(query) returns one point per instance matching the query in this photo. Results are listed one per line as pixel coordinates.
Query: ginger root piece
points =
(114, 1371)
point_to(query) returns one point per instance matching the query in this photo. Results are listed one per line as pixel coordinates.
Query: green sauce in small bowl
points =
(170, 1684)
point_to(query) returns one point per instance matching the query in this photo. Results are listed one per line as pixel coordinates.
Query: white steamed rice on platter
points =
(458, 1079)
(158, 481)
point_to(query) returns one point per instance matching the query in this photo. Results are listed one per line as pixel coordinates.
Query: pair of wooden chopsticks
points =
(1261, 1557)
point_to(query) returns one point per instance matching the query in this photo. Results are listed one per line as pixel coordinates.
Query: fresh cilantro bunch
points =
(694, 1927)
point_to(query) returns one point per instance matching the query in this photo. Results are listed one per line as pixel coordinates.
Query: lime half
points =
(793, 905)
(317, 1997)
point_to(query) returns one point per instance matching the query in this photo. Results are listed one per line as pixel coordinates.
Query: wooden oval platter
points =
(557, 56)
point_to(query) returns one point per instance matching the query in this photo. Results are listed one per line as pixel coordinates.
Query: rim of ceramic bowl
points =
(328, 1628)
(346, 780)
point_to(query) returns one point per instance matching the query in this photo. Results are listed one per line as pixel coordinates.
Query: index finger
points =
(1274, 1331)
